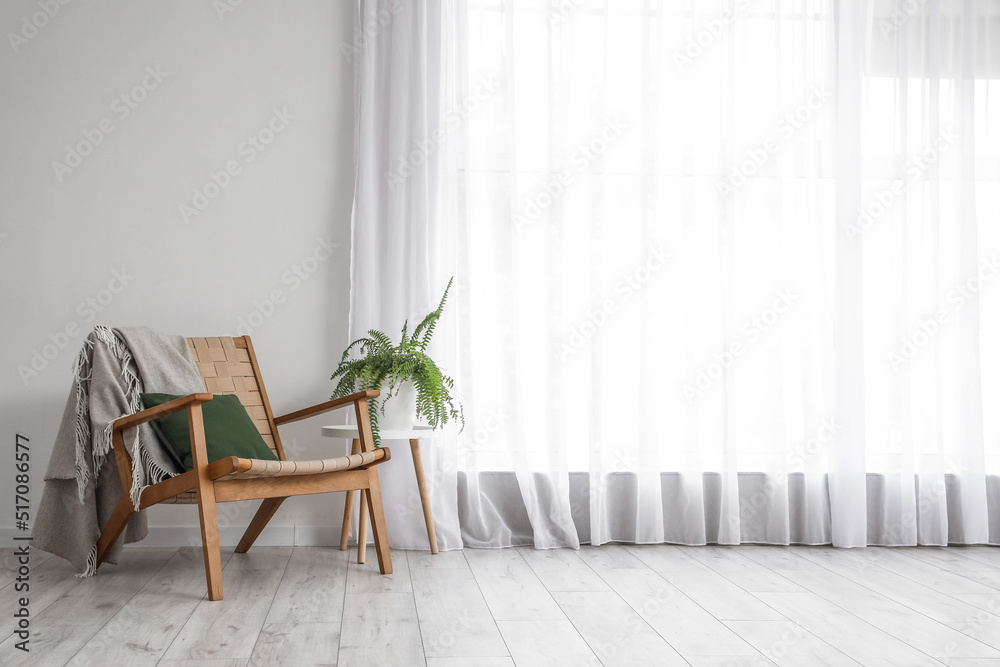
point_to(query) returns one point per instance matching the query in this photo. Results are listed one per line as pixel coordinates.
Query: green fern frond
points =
(383, 366)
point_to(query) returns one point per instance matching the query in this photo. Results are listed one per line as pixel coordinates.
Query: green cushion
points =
(229, 431)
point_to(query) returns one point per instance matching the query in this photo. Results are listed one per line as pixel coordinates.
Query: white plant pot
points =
(400, 409)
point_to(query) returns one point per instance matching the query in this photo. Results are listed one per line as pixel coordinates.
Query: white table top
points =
(351, 432)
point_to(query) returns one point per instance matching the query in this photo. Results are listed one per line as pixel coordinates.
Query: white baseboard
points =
(182, 536)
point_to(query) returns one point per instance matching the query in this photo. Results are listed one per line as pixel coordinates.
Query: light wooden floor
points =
(612, 605)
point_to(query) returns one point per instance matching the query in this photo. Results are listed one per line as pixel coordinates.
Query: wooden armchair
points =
(229, 366)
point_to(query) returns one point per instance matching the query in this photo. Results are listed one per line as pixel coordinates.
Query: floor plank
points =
(748, 574)
(95, 600)
(228, 628)
(848, 633)
(546, 644)
(366, 578)
(47, 583)
(987, 555)
(728, 661)
(142, 631)
(898, 620)
(719, 596)
(312, 587)
(951, 559)
(470, 662)
(204, 663)
(988, 578)
(610, 557)
(510, 587)
(380, 629)
(973, 633)
(454, 617)
(609, 605)
(614, 631)
(297, 645)
(788, 644)
(681, 621)
(49, 645)
(908, 564)
(562, 570)
(778, 558)
(10, 562)
(261, 558)
(446, 560)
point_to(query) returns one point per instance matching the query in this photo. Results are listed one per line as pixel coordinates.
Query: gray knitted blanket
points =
(81, 483)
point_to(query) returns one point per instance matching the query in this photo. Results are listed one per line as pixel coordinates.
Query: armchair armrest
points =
(150, 414)
(320, 408)
(122, 457)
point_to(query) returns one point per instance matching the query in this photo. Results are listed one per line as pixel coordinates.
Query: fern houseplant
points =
(396, 370)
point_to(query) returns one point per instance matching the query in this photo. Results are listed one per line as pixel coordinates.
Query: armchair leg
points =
(210, 539)
(207, 513)
(379, 532)
(113, 528)
(260, 519)
(345, 529)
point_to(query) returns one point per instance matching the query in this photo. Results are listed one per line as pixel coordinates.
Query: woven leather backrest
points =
(229, 366)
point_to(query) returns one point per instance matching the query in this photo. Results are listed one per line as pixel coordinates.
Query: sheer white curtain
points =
(724, 269)
(398, 95)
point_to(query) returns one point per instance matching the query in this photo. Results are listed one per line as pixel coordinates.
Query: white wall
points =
(118, 209)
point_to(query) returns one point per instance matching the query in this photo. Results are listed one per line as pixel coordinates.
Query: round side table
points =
(414, 436)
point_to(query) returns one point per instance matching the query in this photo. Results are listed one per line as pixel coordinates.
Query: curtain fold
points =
(399, 129)
(723, 268)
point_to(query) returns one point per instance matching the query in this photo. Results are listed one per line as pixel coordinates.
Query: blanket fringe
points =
(91, 568)
(82, 370)
(95, 442)
(133, 394)
(155, 472)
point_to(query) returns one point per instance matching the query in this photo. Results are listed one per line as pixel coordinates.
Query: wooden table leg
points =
(362, 524)
(425, 500)
(345, 530)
